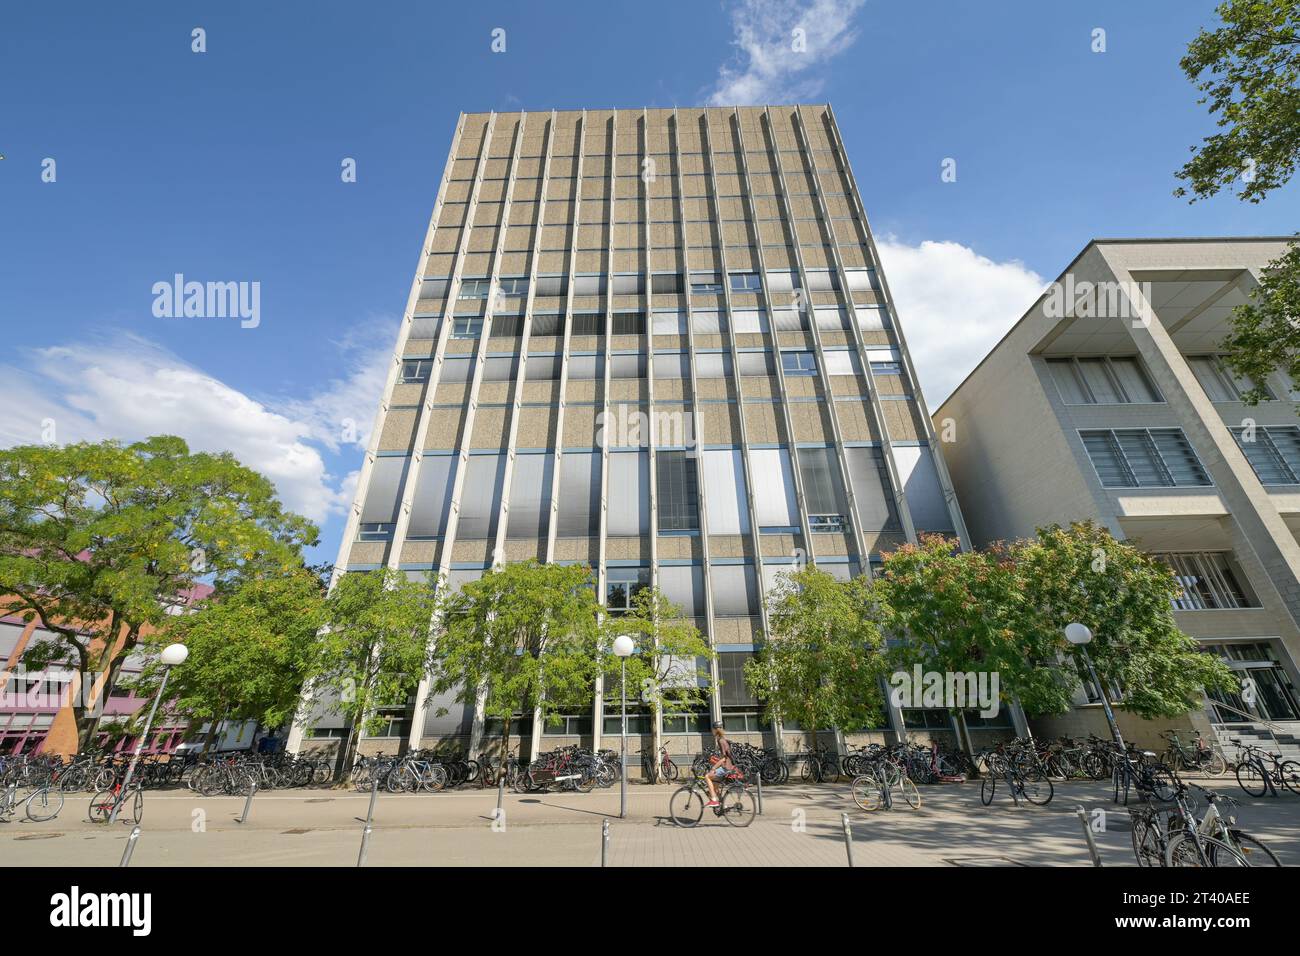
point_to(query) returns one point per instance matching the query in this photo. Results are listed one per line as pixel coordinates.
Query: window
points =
(670, 323)
(1143, 458)
(706, 283)
(515, 287)
(551, 285)
(666, 283)
(755, 363)
(842, 362)
(506, 327)
(629, 493)
(774, 498)
(735, 590)
(627, 365)
(677, 491)
(579, 494)
(590, 284)
(746, 282)
(886, 368)
(466, 327)
(731, 673)
(542, 368)
(683, 586)
(823, 490)
(588, 323)
(1210, 581)
(1102, 380)
(724, 484)
(415, 370)
(375, 531)
(822, 280)
(629, 323)
(799, 363)
(480, 498)
(872, 493)
(1221, 384)
(548, 323)
(712, 365)
(474, 289)
(708, 322)
(628, 283)
(749, 320)
(530, 496)
(432, 498)
(1273, 451)
(789, 320)
(622, 585)
(387, 475)
(458, 368)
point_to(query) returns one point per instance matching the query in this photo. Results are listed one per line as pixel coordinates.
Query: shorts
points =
(720, 772)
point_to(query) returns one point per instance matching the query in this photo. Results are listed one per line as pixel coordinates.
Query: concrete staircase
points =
(1288, 744)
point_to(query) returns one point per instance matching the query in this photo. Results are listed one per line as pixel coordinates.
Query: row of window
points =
(667, 283)
(666, 365)
(1163, 457)
(1119, 380)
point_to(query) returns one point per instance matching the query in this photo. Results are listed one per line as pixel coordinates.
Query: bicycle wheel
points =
(1252, 778)
(866, 792)
(907, 790)
(101, 806)
(401, 779)
(738, 805)
(137, 805)
(44, 804)
(1036, 787)
(670, 770)
(1290, 773)
(1214, 765)
(686, 808)
(1256, 851)
(1182, 852)
(1147, 845)
(987, 788)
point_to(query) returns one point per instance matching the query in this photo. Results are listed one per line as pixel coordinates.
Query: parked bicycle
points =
(1261, 772)
(42, 804)
(1198, 756)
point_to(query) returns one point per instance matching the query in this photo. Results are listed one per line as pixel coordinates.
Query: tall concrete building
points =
(657, 342)
(1108, 400)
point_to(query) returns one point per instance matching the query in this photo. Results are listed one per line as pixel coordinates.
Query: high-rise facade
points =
(660, 343)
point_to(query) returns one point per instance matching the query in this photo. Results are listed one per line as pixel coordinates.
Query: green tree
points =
(822, 660)
(523, 636)
(957, 612)
(664, 670)
(251, 646)
(99, 541)
(1248, 69)
(1081, 573)
(372, 651)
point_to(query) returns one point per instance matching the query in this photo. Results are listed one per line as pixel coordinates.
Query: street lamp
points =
(1079, 635)
(623, 648)
(171, 655)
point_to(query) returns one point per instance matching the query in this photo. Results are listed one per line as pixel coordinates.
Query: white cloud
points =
(771, 65)
(954, 305)
(128, 387)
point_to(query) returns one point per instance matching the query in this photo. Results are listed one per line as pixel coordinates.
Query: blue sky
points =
(225, 166)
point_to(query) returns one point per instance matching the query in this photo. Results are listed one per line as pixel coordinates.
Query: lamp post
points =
(1080, 636)
(623, 647)
(171, 655)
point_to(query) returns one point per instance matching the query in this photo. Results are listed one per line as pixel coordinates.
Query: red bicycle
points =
(654, 771)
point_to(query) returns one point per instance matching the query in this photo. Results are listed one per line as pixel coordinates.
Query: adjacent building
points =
(657, 342)
(1108, 400)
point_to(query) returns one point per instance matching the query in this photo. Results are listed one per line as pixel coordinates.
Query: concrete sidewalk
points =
(800, 827)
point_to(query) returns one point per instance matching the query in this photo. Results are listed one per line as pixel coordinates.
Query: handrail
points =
(1254, 719)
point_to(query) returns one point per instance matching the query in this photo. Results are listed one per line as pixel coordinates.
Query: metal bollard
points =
(130, 846)
(848, 837)
(248, 804)
(368, 829)
(501, 790)
(1087, 835)
(758, 778)
(604, 843)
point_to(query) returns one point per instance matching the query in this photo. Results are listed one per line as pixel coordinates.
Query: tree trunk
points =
(505, 749)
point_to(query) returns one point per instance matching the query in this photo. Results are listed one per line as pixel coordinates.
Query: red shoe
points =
(713, 803)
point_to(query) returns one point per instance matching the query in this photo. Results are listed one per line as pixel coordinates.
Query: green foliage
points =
(110, 535)
(374, 647)
(524, 636)
(664, 668)
(822, 662)
(1248, 69)
(1265, 334)
(957, 611)
(1124, 596)
(251, 647)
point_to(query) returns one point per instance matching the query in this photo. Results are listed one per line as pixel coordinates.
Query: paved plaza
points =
(800, 826)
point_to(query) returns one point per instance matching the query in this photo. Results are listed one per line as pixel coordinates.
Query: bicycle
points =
(1201, 757)
(104, 803)
(1258, 778)
(41, 805)
(1224, 828)
(735, 803)
(654, 770)
(875, 788)
(1023, 779)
